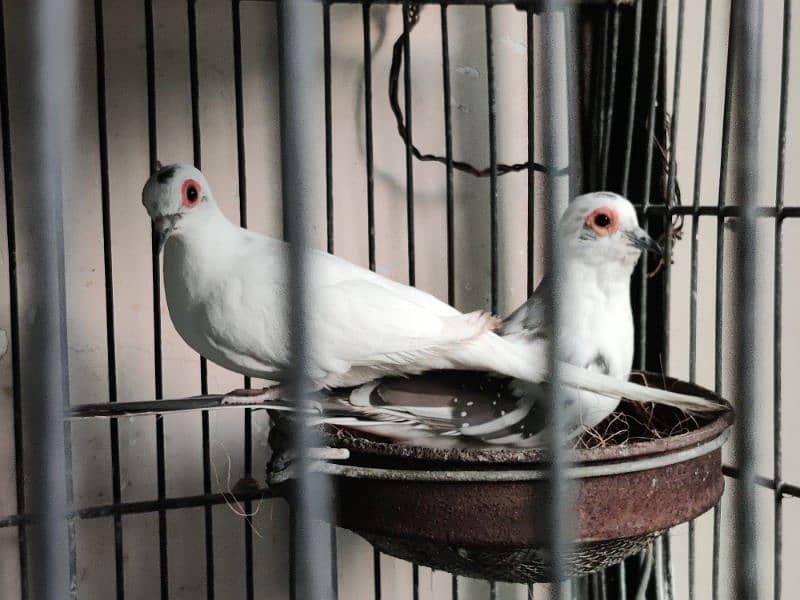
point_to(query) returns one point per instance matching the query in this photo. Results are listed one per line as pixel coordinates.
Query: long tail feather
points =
(529, 362)
(596, 382)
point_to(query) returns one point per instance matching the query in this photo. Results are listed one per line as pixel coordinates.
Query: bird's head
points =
(602, 227)
(176, 196)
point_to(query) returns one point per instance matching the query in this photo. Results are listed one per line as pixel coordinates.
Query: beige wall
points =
(127, 120)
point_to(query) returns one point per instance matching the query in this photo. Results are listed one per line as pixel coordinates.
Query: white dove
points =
(600, 242)
(227, 294)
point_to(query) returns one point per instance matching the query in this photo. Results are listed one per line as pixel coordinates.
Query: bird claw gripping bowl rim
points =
(482, 512)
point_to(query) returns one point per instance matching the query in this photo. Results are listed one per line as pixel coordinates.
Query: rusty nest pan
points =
(482, 511)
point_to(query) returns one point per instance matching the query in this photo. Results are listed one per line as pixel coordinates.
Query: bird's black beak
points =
(642, 240)
(163, 226)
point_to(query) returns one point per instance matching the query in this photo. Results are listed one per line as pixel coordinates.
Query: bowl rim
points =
(534, 473)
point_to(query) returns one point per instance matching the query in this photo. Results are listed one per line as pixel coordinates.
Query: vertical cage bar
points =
(572, 76)
(152, 136)
(368, 143)
(326, 62)
(448, 143)
(672, 179)
(298, 57)
(598, 122)
(721, 201)
(409, 132)
(777, 332)
(156, 269)
(612, 92)
(667, 565)
(51, 28)
(659, 568)
(448, 129)
(648, 170)
(698, 174)
(334, 560)
(720, 256)
(376, 574)
(715, 546)
(329, 205)
(645, 572)
(692, 574)
(365, 16)
(493, 223)
(242, 184)
(637, 42)
(72, 544)
(197, 154)
(69, 28)
(105, 198)
(746, 19)
(194, 84)
(241, 164)
(241, 157)
(556, 138)
(530, 62)
(8, 184)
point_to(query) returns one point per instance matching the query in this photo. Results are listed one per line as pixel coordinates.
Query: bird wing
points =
(369, 322)
(360, 325)
(454, 409)
(529, 324)
(529, 319)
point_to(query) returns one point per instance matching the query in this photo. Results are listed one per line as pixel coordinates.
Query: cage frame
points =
(650, 311)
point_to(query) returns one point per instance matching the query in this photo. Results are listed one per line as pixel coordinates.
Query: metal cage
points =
(620, 120)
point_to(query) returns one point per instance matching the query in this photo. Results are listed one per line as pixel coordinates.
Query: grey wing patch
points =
(530, 319)
(599, 364)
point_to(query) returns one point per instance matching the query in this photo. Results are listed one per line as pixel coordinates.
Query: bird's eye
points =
(602, 220)
(190, 193)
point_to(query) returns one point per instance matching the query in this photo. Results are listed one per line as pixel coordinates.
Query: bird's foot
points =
(245, 396)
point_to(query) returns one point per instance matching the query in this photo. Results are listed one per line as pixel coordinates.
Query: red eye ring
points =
(190, 193)
(603, 221)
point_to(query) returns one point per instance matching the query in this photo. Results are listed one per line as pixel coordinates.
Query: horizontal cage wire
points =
(419, 103)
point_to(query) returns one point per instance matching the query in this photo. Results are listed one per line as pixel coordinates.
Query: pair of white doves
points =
(227, 290)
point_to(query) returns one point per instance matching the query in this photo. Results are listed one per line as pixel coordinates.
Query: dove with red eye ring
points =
(600, 242)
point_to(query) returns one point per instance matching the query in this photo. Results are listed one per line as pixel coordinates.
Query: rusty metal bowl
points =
(482, 512)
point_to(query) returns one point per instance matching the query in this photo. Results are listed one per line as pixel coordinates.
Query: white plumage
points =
(227, 293)
(600, 242)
